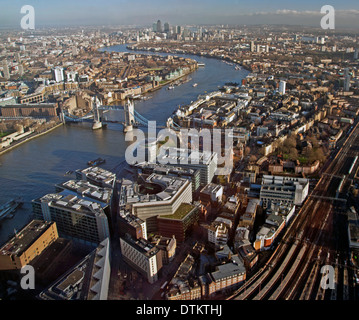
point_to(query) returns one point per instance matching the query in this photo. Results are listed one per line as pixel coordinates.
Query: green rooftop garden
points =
(181, 212)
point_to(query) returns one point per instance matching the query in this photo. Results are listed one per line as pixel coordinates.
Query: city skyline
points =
(144, 13)
(179, 151)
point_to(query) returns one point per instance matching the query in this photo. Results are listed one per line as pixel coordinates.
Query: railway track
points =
(293, 271)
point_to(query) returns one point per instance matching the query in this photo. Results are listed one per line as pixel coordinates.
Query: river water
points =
(32, 169)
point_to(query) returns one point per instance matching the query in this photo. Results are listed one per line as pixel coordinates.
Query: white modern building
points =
(80, 219)
(97, 176)
(283, 190)
(58, 73)
(205, 161)
(218, 234)
(156, 195)
(143, 256)
(282, 87)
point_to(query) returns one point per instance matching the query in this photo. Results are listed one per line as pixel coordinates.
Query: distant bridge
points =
(132, 117)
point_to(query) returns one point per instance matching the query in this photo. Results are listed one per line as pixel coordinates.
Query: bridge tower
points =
(97, 124)
(129, 116)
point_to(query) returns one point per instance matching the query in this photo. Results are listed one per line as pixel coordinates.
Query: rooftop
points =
(84, 280)
(25, 238)
(232, 268)
(170, 186)
(85, 188)
(211, 188)
(141, 245)
(186, 157)
(183, 210)
(72, 202)
(98, 174)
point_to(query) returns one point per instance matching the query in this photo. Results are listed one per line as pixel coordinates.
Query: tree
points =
(18, 127)
(293, 154)
(3, 127)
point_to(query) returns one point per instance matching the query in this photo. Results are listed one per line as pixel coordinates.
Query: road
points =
(315, 238)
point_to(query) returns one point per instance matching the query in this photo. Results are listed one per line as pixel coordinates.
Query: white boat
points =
(195, 84)
(170, 87)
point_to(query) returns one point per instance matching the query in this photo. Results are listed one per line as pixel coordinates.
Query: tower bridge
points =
(133, 119)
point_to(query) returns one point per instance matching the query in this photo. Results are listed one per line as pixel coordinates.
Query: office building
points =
(282, 87)
(142, 256)
(347, 79)
(154, 195)
(97, 176)
(87, 190)
(180, 223)
(159, 26)
(252, 47)
(277, 218)
(356, 54)
(205, 162)
(134, 226)
(27, 244)
(79, 219)
(283, 190)
(88, 280)
(6, 72)
(58, 74)
(176, 171)
(72, 76)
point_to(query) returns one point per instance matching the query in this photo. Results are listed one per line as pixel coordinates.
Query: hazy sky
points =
(144, 12)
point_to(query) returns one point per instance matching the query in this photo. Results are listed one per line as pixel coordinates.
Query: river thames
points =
(32, 169)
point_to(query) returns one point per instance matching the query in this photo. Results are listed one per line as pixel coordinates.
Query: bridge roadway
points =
(309, 241)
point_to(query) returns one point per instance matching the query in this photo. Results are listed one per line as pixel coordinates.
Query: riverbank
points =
(245, 67)
(19, 143)
(32, 169)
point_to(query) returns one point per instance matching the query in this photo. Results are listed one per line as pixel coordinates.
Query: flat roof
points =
(85, 188)
(98, 174)
(72, 202)
(35, 105)
(211, 188)
(171, 186)
(25, 237)
(183, 210)
(141, 245)
(187, 157)
(232, 268)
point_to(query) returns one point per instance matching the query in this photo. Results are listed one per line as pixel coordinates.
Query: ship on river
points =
(7, 209)
(96, 162)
